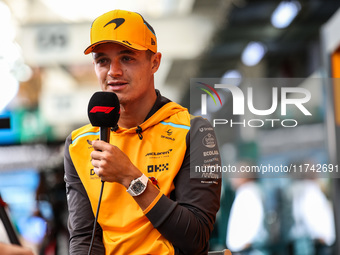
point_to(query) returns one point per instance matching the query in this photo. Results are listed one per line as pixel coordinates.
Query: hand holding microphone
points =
(107, 159)
(111, 164)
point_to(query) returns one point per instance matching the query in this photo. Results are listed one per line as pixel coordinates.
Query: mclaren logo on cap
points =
(118, 22)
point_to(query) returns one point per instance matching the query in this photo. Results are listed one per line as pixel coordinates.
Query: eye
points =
(102, 61)
(127, 58)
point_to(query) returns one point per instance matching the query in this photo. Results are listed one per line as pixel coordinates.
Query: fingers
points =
(98, 161)
(100, 158)
(99, 145)
(110, 163)
(98, 170)
(97, 155)
(101, 150)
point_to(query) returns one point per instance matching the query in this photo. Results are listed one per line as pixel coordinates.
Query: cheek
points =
(101, 74)
(96, 71)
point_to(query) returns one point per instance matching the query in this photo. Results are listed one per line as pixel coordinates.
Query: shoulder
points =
(200, 127)
(173, 114)
(200, 123)
(81, 132)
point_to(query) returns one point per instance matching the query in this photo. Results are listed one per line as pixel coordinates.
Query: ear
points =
(155, 61)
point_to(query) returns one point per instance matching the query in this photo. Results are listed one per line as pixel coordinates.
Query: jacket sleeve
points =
(186, 218)
(81, 218)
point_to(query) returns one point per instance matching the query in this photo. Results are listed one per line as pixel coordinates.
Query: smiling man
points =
(150, 204)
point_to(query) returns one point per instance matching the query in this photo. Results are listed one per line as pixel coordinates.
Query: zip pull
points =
(139, 132)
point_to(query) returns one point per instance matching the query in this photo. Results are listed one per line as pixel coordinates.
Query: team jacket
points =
(179, 220)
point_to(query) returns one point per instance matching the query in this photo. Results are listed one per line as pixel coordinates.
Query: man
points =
(150, 204)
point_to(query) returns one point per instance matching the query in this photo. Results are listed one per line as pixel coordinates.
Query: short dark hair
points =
(149, 54)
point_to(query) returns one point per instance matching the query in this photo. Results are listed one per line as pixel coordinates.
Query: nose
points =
(115, 69)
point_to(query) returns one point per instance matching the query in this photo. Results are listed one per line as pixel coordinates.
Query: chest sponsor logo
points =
(209, 141)
(93, 175)
(168, 138)
(168, 135)
(210, 153)
(89, 142)
(169, 132)
(210, 176)
(159, 154)
(210, 160)
(158, 168)
(203, 129)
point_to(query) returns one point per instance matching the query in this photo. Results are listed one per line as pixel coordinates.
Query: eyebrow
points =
(97, 55)
(122, 52)
(129, 52)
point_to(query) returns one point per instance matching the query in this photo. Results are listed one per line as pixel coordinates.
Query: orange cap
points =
(123, 27)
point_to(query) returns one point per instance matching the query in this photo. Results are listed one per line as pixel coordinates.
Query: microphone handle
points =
(104, 134)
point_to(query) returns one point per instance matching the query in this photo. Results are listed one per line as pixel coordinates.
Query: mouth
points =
(116, 85)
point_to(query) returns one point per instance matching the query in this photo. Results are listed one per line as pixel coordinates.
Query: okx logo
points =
(206, 89)
(158, 168)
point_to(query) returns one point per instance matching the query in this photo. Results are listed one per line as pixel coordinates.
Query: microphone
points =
(103, 112)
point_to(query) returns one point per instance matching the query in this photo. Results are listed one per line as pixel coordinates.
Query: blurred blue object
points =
(33, 229)
(18, 190)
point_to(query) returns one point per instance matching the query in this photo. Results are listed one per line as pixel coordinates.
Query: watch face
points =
(138, 187)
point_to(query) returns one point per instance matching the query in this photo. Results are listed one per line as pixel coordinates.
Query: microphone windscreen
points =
(104, 109)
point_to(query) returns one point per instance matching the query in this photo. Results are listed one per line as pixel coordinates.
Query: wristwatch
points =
(138, 186)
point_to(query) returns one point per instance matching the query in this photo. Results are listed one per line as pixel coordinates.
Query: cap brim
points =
(127, 44)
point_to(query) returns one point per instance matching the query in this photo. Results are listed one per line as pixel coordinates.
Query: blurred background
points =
(46, 82)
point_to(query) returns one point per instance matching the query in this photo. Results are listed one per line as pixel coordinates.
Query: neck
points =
(134, 113)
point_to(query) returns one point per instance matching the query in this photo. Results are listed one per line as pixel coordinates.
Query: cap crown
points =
(123, 27)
